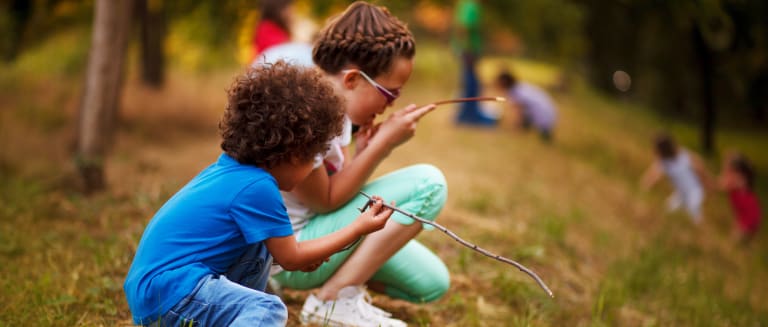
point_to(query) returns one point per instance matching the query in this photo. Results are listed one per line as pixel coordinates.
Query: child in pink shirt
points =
(738, 178)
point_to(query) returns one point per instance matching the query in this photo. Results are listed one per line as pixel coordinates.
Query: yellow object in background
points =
(245, 37)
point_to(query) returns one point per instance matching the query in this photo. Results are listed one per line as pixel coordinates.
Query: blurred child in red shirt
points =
(274, 27)
(738, 179)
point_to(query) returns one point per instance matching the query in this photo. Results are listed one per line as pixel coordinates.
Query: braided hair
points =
(364, 35)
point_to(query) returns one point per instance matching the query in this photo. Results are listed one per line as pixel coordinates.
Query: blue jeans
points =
(219, 301)
(470, 112)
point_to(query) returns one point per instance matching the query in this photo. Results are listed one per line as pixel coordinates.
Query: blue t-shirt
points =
(203, 229)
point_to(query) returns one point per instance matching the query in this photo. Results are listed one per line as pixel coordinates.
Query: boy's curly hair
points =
(365, 35)
(280, 113)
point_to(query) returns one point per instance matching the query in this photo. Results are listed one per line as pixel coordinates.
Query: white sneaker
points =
(352, 308)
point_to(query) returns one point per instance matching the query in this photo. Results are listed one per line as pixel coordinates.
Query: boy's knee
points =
(274, 311)
(279, 310)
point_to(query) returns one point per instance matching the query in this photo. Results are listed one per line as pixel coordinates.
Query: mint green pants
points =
(414, 273)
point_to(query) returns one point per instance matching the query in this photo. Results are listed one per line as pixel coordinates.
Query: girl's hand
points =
(400, 126)
(364, 135)
(374, 218)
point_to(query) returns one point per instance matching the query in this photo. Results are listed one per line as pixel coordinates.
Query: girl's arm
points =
(701, 170)
(725, 178)
(651, 175)
(293, 255)
(323, 193)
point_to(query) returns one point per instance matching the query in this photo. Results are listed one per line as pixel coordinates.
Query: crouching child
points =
(205, 256)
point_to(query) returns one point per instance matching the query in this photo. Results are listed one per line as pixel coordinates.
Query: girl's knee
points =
(432, 188)
(433, 283)
(438, 288)
(421, 189)
(430, 175)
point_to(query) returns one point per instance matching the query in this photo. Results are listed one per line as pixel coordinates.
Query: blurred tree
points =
(14, 15)
(329, 7)
(552, 29)
(687, 58)
(103, 84)
(705, 61)
(26, 23)
(151, 19)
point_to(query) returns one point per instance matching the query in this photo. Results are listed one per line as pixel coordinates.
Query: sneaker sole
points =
(310, 318)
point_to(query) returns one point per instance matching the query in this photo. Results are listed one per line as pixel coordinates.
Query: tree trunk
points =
(14, 19)
(758, 96)
(151, 17)
(706, 73)
(103, 85)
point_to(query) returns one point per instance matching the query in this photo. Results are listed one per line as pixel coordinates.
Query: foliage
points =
(551, 29)
(655, 42)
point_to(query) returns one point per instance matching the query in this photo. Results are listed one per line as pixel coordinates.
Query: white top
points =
(680, 172)
(297, 53)
(536, 104)
(333, 161)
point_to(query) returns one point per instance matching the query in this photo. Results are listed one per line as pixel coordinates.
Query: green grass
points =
(571, 211)
(654, 281)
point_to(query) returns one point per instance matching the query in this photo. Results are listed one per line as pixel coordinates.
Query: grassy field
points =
(571, 211)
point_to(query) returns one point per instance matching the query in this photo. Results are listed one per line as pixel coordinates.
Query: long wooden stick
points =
(500, 99)
(463, 242)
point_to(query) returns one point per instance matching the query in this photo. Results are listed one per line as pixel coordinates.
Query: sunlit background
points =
(572, 210)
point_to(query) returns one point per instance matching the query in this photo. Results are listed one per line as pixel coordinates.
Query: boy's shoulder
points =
(229, 172)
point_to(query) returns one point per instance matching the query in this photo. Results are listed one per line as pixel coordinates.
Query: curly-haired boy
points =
(221, 230)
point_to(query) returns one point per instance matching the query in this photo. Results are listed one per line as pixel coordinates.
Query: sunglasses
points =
(391, 96)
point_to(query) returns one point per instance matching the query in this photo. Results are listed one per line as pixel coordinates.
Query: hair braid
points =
(364, 35)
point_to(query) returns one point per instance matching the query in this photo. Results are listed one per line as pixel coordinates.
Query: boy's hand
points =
(313, 266)
(374, 218)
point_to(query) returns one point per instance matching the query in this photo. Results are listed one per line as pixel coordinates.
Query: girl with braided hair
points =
(367, 54)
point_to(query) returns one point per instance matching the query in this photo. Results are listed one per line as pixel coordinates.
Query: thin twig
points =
(499, 99)
(463, 242)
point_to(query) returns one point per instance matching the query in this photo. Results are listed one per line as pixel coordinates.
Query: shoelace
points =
(364, 299)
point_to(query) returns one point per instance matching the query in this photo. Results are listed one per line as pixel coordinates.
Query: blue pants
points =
(219, 301)
(469, 112)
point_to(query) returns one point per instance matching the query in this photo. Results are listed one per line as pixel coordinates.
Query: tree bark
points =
(103, 85)
(16, 18)
(706, 73)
